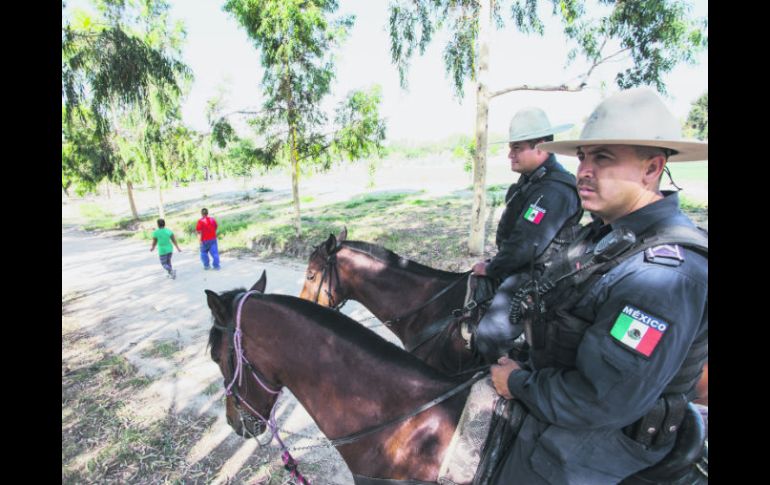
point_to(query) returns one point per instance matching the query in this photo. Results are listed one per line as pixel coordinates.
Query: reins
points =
(231, 390)
(373, 429)
(331, 268)
(270, 422)
(431, 300)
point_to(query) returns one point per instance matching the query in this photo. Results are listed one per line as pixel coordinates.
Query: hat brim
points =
(537, 134)
(687, 150)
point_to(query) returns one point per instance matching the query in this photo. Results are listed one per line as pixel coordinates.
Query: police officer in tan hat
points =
(538, 204)
(618, 323)
(542, 202)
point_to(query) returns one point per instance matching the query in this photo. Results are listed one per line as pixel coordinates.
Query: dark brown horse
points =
(390, 287)
(389, 414)
(347, 378)
(414, 301)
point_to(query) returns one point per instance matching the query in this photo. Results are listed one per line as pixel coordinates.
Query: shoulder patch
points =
(638, 330)
(535, 213)
(667, 254)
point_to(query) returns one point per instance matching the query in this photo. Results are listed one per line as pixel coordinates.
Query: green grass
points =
(212, 388)
(432, 230)
(688, 204)
(105, 439)
(163, 349)
(99, 219)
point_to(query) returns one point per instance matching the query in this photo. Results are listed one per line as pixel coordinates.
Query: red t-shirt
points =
(208, 228)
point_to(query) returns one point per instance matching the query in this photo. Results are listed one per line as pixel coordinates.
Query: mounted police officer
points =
(538, 204)
(618, 324)
(537, 207)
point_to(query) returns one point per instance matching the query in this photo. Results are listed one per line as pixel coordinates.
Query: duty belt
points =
(660, 424)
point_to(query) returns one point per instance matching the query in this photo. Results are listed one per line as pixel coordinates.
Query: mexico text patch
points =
(535, 213)
(638, 330)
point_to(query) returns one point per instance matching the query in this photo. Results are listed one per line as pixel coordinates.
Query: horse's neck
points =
(346, 388)
(390, 293)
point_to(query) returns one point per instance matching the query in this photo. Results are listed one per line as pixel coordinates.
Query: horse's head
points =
(322, 279)
(250, 397)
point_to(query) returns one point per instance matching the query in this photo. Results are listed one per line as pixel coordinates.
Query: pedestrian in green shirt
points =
(163, 238)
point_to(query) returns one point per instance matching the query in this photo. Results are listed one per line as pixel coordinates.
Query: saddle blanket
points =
(464, 453)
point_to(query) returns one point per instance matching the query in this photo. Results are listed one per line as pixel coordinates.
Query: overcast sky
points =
(221, 55)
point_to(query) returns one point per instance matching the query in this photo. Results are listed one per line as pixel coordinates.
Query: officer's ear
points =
(653, 169)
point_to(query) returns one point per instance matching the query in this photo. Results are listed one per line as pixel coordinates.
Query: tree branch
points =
(526, 87)
(561, 87)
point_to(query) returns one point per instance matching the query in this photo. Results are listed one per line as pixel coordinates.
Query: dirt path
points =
(115, 291)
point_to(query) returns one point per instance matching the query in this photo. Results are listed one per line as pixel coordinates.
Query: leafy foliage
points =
(655, 33)
(86, 158)
(296, 40)
(697, 124)
(122, 65)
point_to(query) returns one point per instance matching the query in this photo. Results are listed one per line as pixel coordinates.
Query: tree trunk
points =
(295, 185)
(130, 190)
(107, 186)
(478, 212)
(161, 211)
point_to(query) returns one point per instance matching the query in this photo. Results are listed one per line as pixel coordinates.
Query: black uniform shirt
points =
(532, 216)
(620, 370)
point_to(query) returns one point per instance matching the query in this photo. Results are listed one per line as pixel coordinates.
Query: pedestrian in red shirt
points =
(207, 229)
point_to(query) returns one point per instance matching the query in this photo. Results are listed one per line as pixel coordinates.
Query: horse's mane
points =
(393, 260)
(342, 326)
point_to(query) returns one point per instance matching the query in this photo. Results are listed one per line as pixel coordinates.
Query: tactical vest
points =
(556, 333)
(514, 202)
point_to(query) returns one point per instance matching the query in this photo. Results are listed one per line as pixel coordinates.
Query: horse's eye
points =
(310, 276)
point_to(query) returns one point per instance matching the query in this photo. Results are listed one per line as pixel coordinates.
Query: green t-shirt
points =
(164, 240)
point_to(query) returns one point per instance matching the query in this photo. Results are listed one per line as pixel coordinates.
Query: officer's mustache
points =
(586, 183)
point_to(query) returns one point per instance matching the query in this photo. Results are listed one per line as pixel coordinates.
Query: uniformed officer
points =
(537, 206)
(621, 324)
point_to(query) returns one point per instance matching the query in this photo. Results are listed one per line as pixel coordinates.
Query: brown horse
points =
(347, 378)
(414, 301)
(395, 290)
(389, 414)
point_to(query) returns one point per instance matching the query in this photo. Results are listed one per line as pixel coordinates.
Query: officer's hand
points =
(480, 268)
(500, 373)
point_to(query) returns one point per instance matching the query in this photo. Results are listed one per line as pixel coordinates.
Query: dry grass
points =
(109, 437)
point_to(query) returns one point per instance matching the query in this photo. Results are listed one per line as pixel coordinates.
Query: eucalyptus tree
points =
(112, 62)
(86, 158)
(697, 123)
(651, 35)
(296, 40)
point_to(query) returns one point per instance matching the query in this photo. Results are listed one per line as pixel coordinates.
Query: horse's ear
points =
(217, 306)
(261, 284)
(343, 235)
(330, 244)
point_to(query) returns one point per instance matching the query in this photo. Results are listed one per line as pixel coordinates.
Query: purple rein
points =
(289, 462)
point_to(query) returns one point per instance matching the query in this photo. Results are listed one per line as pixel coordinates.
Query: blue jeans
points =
(165, 261)
(209, 247)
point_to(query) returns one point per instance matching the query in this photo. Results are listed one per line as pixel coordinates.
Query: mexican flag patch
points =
(535, 214)
(638, 330)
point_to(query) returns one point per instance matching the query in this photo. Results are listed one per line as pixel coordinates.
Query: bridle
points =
(237, 361)
(237, 368)
(330, 269)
